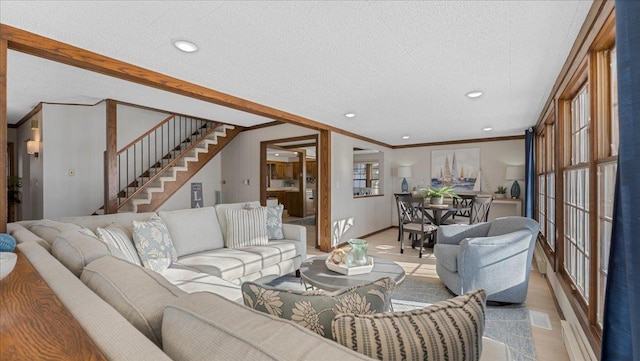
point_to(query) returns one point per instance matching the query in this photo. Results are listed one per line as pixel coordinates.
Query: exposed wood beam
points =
(110, 159)
(3, 135)
(324, 188)
(37, 45)
(462, 141)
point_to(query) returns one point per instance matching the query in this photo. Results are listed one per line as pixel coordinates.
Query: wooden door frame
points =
(273, 143)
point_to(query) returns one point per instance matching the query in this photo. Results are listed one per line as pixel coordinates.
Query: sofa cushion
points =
(274, 222)
(315, 310)
(193, 230)
(191, 280)
(140, 295)
(205, 326)
(246, 227)
(76, 249)
(153, 243)
(49, 230)
(222, 218)
(447, 330)
(234, 263)
(120, 245)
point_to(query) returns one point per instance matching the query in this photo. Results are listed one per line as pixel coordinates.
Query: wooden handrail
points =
(170, 164)
(146, 134)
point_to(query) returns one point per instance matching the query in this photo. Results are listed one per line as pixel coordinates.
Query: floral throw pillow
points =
(154, 244)
(274, 222)
(315, 310)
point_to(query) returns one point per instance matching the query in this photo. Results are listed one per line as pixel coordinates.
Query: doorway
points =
(289, 176)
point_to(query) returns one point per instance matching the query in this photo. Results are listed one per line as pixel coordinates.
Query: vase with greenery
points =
(437, 195)
(501, 192)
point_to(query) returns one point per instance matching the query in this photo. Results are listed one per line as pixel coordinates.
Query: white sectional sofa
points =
(204, 264)
(133, 313)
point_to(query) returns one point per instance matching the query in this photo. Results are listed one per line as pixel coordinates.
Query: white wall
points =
(369, 214)
(73, 137)
(241, 160)
(30, 169)
(211, 178)
(134, 121)
(494, 158)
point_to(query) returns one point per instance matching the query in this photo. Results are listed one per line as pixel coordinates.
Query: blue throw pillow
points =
(274, 222)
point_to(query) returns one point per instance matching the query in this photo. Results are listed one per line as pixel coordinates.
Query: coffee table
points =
(314, 272)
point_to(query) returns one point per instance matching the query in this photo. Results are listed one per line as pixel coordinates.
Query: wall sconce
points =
(33, 147)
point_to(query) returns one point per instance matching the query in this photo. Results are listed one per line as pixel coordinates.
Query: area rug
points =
(508, 324)
(308, 221)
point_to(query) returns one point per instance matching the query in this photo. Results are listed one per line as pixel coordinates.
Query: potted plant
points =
(437, 194)
(501, 192)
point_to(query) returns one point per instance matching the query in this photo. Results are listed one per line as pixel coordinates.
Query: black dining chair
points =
(463, 201)
(411, 210)
(478, 211)
(401, 213)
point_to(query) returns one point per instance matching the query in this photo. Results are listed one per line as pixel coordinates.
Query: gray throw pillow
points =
(315, 310)
(447, 330)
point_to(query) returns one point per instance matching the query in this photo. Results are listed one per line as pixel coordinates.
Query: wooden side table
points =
(35, 325)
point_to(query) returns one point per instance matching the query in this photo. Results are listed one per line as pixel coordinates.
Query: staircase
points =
(158, 163)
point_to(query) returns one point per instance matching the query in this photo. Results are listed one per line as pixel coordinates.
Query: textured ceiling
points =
(402, 67)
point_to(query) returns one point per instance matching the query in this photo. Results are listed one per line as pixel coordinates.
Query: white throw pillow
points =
(154, 244)
(246, 227)
(117, 239)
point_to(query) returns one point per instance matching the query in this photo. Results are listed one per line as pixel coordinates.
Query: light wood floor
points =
(548, 343)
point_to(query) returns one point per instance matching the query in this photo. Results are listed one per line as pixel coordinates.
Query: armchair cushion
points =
(447, 254)
(497, 261)
(447, 330)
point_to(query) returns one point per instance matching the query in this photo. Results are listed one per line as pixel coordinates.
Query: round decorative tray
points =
(358, 270)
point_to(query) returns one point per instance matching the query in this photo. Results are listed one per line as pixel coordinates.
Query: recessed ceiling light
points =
(474, 94)
(277, 154)
(186, 46)
(350, 115)
(486, 129)
(405, 137)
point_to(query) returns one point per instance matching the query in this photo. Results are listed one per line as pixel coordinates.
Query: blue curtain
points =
(621, 333)
(529, 172)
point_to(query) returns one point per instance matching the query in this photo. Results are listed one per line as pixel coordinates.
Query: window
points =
(577, 250)
(367, 178)
(546, 182)
(607, 167)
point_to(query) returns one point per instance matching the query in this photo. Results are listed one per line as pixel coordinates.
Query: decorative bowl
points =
(343, 269)
(7, 262)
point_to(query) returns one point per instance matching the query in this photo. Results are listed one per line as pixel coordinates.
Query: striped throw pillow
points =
(246, 227)
(447, 330)
(119, 243)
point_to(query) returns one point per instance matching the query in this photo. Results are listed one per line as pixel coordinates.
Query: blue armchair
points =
(495, 256)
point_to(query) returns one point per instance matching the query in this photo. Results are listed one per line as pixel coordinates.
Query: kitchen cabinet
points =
(288, 170)
(295, 204)
(275, 170)
(281, 195)
(312, 169)
(296, 170)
